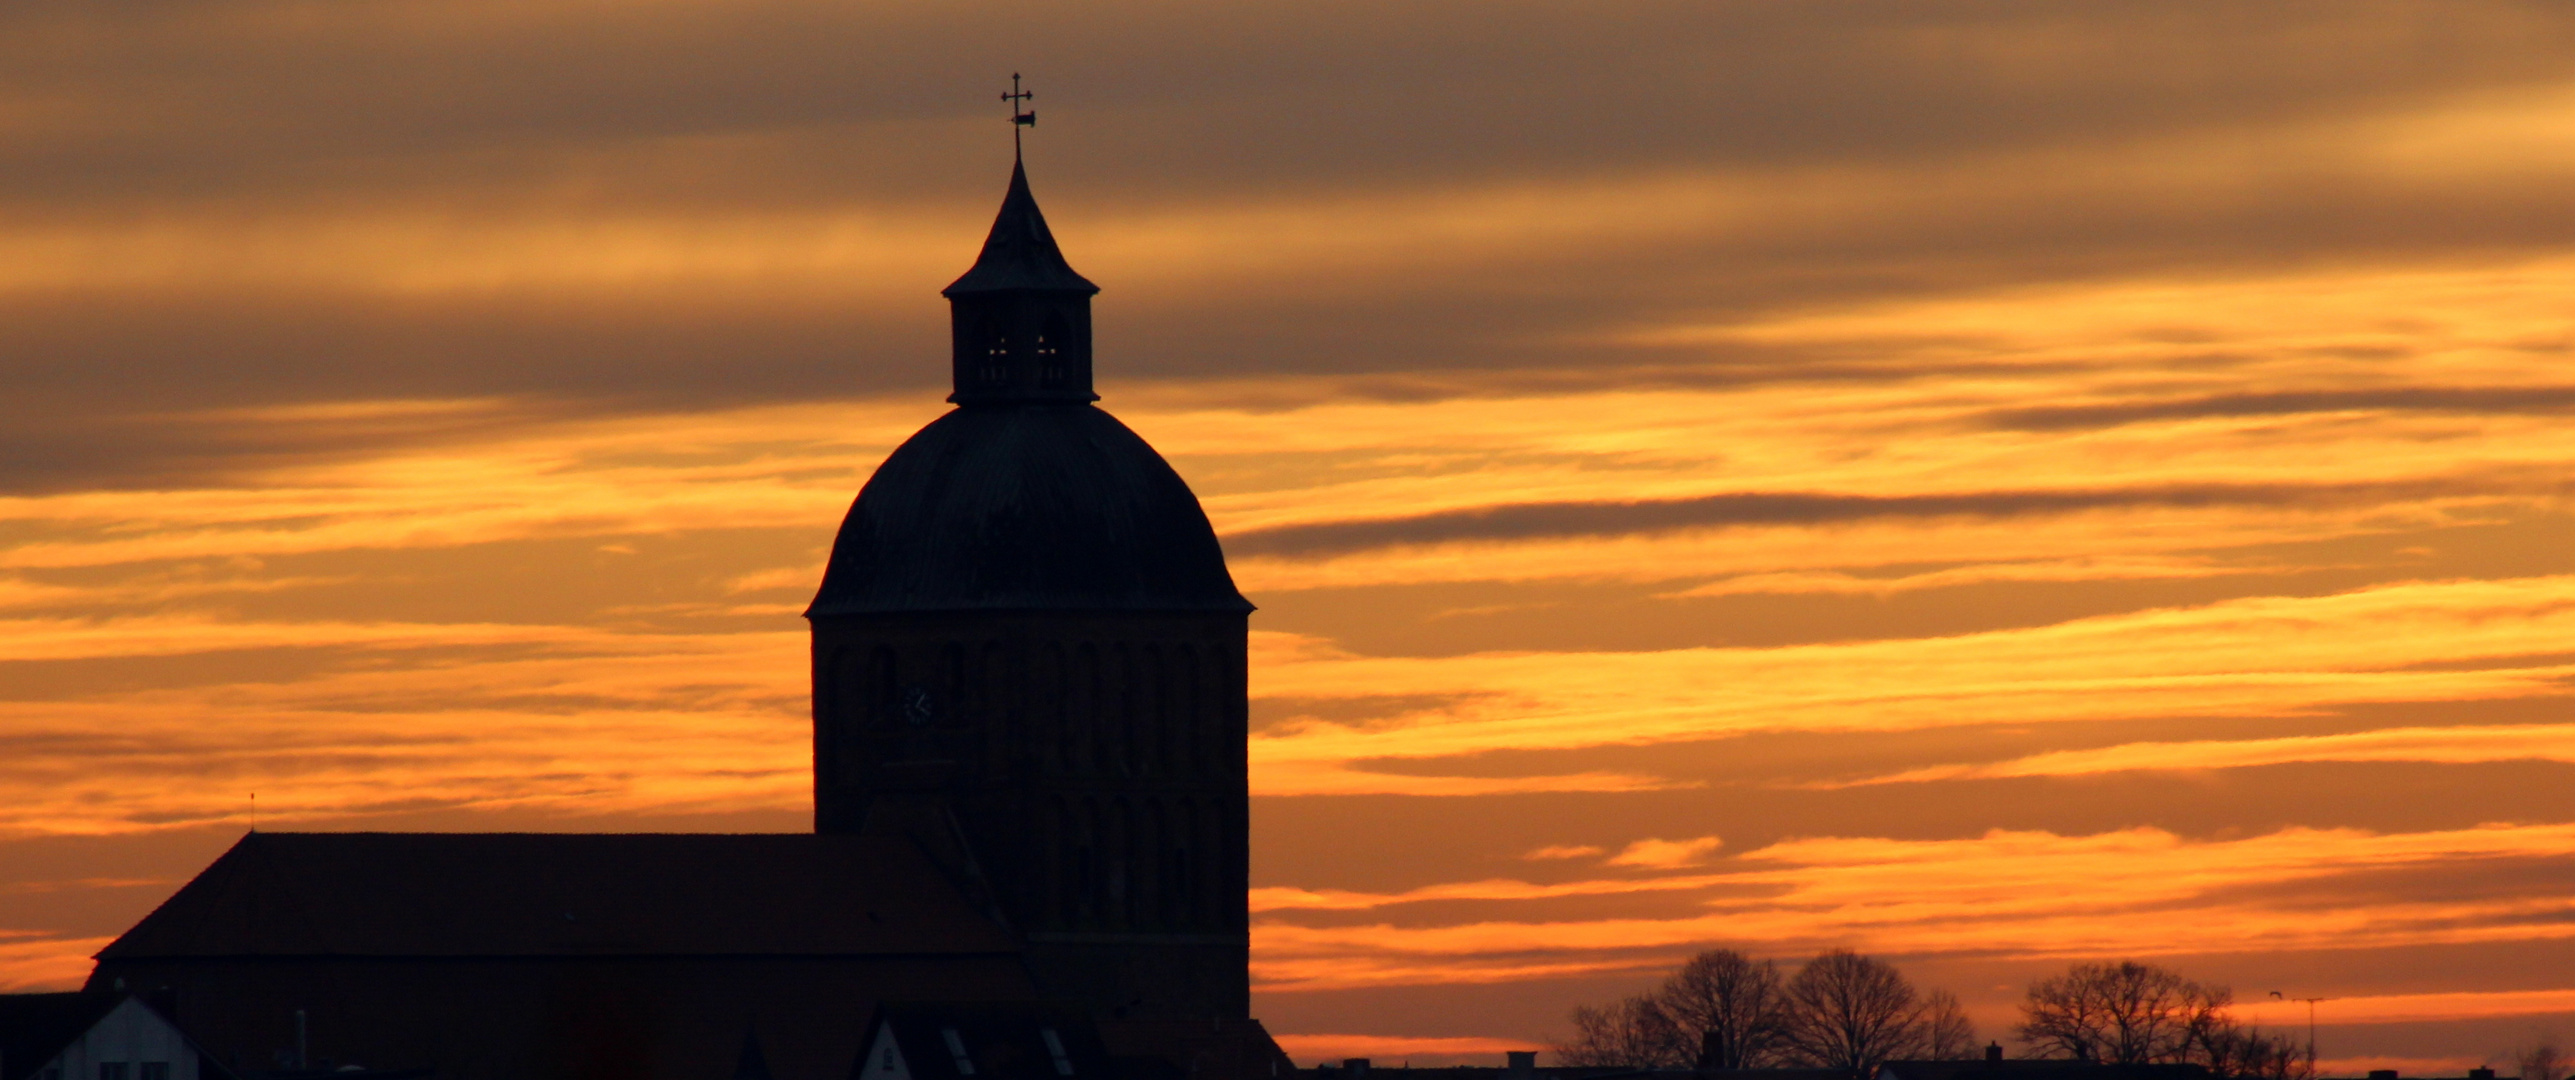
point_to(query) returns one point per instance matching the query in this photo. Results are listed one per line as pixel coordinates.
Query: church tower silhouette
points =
(1028, 788)
(1028, 658)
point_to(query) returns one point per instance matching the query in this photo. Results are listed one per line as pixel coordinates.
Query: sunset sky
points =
(1987, 484)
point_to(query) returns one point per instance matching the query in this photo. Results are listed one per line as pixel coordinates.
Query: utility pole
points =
(2311, 1026)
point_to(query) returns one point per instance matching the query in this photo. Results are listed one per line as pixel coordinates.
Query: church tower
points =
(1028, 657)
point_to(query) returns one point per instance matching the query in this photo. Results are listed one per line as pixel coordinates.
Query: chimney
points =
(1523, 1064)
(1993, 1053)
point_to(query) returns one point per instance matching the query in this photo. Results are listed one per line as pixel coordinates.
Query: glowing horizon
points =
(1988, 488)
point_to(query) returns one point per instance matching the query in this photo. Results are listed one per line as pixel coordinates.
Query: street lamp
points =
(2311, 1026)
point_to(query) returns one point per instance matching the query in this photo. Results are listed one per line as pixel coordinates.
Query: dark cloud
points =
(116, 391)
(280, 120)
(1537, 520)
(2466, 399)
(1459, 618)
(1373, 843)
(152, 439)
(1273, 711)
(169, 96)
(88, 677)
(2430, 879)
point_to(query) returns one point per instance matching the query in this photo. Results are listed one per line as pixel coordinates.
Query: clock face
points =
(917, 710)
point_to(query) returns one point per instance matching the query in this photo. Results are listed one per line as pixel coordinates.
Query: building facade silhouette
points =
(1029, 734)
(1028, 657)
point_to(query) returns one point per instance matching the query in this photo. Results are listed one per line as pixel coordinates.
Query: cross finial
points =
(1018, 118)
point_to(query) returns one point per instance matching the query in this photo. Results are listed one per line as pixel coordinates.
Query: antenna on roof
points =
(1018, 118)
(254, 811)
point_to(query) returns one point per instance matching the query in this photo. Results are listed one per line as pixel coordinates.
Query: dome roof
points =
(1041, 505)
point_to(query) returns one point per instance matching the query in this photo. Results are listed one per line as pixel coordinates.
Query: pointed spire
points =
(1020, 253)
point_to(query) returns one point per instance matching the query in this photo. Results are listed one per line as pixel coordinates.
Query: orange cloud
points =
(2157, 475)
(1391, 1049)
(2411, 1008)
(2268, 655)
(588, 721)
(45, 964)
(2008, 894)
(1666, 854)
(2453, 745)
(1292, 899)
(2129, 568)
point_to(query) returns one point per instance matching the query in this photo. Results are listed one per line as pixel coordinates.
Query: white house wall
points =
(884, 1058)
(130, 1033)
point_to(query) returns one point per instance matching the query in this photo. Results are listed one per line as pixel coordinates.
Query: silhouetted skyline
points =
(1983, 485)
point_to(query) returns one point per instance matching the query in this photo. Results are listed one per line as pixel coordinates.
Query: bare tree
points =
(2207, 1022)
(1852, 1012)
(2543, 1062)
(1725, 1010)
(2122, 1014)
(1947, 1034)
(2063, 1017)
(1728, 1009)
(2253, 1054)
(1631, 1034)
(2134, 1014)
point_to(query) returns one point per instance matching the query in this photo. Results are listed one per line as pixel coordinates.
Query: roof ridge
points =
(455, 894)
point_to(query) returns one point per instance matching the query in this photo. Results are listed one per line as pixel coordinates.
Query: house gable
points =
(81, 1036)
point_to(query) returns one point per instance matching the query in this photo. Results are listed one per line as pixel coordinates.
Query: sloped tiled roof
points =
(539, 894)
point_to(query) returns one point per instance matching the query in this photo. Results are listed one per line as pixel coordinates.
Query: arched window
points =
(994, 683)
(1226, 715)
(954, 655)
(1046, 706)
(1203, 866)
(1121, 743)
(1165, 910)
(883, 689)
(1184, 868)
(836, 705)
(1082, 713)
(1086, 880)
(1230, 864)
(996, 352)
(1185, 712)
(1123, 885)
(837, 700)
(1051, 341)
(1059, 843)
(1153, 728)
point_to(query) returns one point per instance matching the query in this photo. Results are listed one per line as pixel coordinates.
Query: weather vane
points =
(1018, 118)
